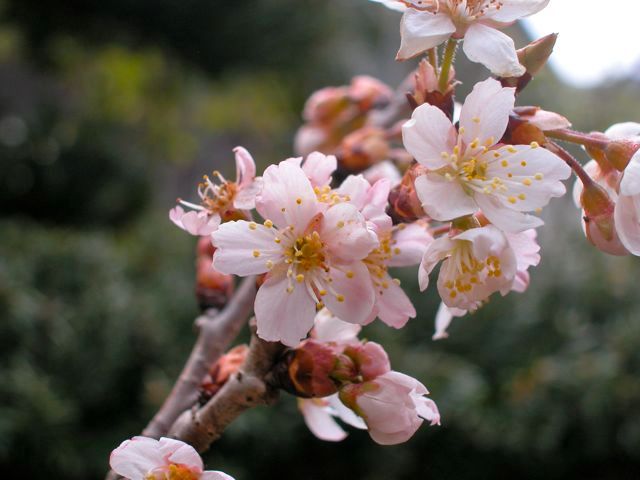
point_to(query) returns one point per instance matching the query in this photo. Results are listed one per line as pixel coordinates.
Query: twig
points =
(216, 332)
(246, 389)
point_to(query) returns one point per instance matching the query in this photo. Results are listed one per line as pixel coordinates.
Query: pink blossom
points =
(526, 250)
(392, 405)
(220, 201)
(320, 413)
(143, 458)
(468, 170)
(385, 169)
(428, 23)
(477, 263)
(312, 253)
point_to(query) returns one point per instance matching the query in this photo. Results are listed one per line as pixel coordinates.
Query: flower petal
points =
(394, 306)
(630, 183)
(176, 451)
(329, 328)
(493, 49)
(198, 223)
(245, 248)
(512, 10)
(215, 475)
(345, 233)
(504, 218)
(421, 31)
(319, 167)
(283, 315)
(485, 113)
(438, 250)
(427, 135)
(409, 243)
(245, 167)
(319, 420)
(627, 221)
(134, 458)
(443, 199)
(352, 284)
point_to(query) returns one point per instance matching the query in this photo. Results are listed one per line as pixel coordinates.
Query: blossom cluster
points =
(425, 186)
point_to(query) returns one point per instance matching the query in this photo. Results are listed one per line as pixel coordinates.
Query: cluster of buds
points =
(221, 371)
(338, 375)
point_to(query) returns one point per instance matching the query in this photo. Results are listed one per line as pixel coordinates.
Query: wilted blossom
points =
(468, 170)
(143, 458)
(220, 199)
(312, 253)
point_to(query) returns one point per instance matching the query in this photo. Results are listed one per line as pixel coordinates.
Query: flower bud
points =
(370, 359)
(363, 148)
(213, 288)
(599, 221)
(309, 369)
(426, 89)
(533, 57)
(221, 371)
(619, 153)
(369, 93)
(325, 105)
(405, 206)
(528, 124)
(205, 247)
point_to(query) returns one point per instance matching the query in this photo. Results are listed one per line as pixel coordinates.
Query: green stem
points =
(447, 62)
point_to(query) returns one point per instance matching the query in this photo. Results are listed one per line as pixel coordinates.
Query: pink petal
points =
(243, 250)
(421, 31)
(627, 221)
(385, 169)
(443, 199)
(356, 291)
(245, 167)
(493, 49)
(345, 233)
(320, 421)
(319, 167)
(198, 223)
(630, 183)
(176, 451)
(134, 458)
(438, 250)
(411, 241)
(394, 307)
(245, 198)
(282, 316)
(356, 188)
(485, 112)
(287, 197)
(329, 328)
(427, 135)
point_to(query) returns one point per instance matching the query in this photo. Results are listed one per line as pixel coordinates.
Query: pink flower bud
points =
(221, 371)
(393, 406)
(370, 359)
(310, 368)
(213, 288)
(325, 105)
(363, 148)
(620, 152)
(403, 199)
(368, 92)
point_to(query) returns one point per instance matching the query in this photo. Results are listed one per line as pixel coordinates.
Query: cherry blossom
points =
(143, 458)
(312, 253)
(526, 250)
(220, 201)
(468, 170)
(428, 23)
(393, 406)
(477, 263)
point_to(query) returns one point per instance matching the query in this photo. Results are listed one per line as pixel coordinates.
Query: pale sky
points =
(597, 38)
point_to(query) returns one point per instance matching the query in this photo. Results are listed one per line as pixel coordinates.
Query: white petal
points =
(282, 316)
(320, 421)
(493, 49)
(485, 113)
(443, 199)
(245, 198)
(215, 475)
(438, 250)
(630, 183)
(443, 320)
(624, 131)
(345, 233)
(504, 218)
(511, 10)
(396, 5)
(176, 451)
(344, 413)
(627, 221)
(243, 250)
(421, 31)
(427, 135)
(329, 328)
(356, 188)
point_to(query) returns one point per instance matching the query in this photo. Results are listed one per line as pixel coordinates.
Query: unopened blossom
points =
(220, 199)
(311, 251)
(320, 413)
(526, 249)
(469, 170)
(393, 406)
(477, 263)
(428, 23)
(143, 458)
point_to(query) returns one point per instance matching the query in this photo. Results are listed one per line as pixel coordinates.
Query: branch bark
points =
(216, 331)
(246, 389)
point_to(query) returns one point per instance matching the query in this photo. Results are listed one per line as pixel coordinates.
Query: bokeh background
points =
(110, 109)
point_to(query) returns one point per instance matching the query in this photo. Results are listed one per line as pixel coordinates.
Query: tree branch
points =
(244, 390)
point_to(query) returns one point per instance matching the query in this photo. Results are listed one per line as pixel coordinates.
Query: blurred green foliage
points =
(108, 110)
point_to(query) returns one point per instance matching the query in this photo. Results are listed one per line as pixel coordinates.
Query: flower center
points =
(306, 252)
(172, 472)
(465, 270)
(217, 197)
